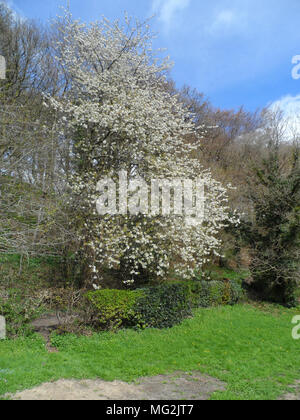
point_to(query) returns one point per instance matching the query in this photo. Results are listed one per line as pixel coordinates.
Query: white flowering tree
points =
(123, 117)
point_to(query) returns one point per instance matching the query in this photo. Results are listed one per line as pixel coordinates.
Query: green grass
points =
(28, 272)
(220, 273)
(13, 260)
(250, 348)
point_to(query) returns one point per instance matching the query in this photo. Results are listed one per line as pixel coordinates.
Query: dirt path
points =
(177, 386)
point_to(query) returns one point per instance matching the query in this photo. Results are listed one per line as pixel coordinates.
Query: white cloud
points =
(290, 107)
(167, 10)
(225, 17)
(228, 20)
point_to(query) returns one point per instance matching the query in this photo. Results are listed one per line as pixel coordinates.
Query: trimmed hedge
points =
(158, 307)
(153, 307)
(110, 309)
(164, 306)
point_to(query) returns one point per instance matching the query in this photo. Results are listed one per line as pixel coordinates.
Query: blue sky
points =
(237, 52)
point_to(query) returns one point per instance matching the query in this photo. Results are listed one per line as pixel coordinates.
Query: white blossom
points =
(124, 117)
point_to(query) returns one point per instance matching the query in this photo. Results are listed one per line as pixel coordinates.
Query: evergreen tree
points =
(275, 231)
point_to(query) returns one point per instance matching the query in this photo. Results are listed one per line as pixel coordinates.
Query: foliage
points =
(19, 310)
(165, 305)
(154, 307)
(274, 234)
(162, 306)
(29, 274)
(113, 308)
(28, 287)
(214, 293)
(237, 276)
(123, 117)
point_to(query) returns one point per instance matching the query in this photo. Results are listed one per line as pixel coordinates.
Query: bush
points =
(19, 311)
(154, 307)
(204, 294)
(164, 306)
(111, 309)
(236, 293)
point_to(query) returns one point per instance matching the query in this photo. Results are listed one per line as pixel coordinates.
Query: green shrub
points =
(111, 309)
(217, 293)
(236, 293)
(204, 294)
(199, 293)
(155, 307)
(164, 306)
(161, 306)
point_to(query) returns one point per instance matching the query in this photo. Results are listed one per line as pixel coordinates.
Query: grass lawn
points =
(248, 347)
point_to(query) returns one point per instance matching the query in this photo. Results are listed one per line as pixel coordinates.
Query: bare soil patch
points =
(176, 386)
(294, 394)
